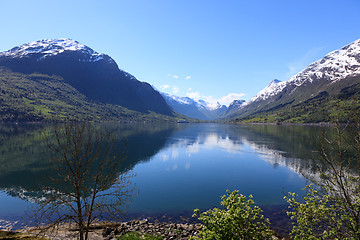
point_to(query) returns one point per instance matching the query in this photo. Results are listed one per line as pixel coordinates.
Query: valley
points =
(61, 79)
(179, 120)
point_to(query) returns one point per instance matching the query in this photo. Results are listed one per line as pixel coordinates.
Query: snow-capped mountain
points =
(51, 47)
(186, 100)
(335, 66)
(235, 106)
(337, 70)
(271, 89)
(93, 74)
(199, 109)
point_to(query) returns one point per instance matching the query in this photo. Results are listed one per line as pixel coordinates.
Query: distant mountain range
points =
(200, 109)
(311, 95)
(63, 79)
(71, 67)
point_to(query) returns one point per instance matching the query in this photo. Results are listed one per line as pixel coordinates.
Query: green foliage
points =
(9, 235)
(137, 236)
(317, 109)
(321, 216)
(332, 210)
(314, 111)
(40, 97)
(238, 220)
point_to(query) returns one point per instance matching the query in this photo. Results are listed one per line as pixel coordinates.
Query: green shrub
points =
(324, 216)
(238, 220)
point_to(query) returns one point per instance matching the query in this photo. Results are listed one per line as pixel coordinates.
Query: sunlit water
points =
(178, 167)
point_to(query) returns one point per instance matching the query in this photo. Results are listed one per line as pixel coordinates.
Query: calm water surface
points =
(178, 167)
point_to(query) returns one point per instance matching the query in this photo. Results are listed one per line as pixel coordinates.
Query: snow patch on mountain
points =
(201, 104)
(52, 47)
(213, 106)
(273, 88)
(194, 108)
(335, 66)
(237, 104)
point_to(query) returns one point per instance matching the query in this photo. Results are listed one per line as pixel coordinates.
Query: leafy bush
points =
(238, 220)
(323, 216)
(332, 210)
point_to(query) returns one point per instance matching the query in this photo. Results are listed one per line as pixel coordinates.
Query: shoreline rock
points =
(178, 231)
(111, 230)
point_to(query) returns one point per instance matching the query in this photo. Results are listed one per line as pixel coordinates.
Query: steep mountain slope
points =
(218, 111)
(39, 97)
(185, 105)
(235, 106)
(94, 75)
(322, 83)
(194, 108)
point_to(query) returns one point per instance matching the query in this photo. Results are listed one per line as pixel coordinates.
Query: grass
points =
(137, 235)
(17, 236)
(40, 97)
(315, 111)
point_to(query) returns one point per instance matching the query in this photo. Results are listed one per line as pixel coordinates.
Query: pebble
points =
(166, 230)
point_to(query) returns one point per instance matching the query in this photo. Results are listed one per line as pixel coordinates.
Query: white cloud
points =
(174, 154)
(194, 148)
(175, 89)
(213, 140)
(193, 95)
(173, 76)
(177, 76)
(165, 86)
(212, 101)
(164, 157)
(225, 100)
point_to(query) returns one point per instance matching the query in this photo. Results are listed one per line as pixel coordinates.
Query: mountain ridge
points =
(336, 65)
(199, 109)
(324, 79)
(39, 97)
(50, 47)
(95, 78)
(95, 75)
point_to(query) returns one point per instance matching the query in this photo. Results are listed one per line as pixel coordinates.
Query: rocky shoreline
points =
(110, 231)
(169, 231)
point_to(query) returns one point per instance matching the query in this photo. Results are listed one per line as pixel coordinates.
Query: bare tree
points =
(88, 184)
(332, 209)
(341, 179)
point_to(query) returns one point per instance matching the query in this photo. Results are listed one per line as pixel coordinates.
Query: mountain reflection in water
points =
(178, 167)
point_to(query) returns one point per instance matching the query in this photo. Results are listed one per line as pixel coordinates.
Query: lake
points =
(178, 167)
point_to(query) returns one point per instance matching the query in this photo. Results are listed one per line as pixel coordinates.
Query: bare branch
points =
(89, 183)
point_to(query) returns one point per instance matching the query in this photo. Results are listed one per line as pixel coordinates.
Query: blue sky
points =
(203, 49)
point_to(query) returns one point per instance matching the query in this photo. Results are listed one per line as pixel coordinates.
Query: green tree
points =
(88, 184)
(238, 220)
(331, 210)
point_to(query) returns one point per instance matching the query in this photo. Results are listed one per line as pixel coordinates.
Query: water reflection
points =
(179, 167)
(22, 151)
